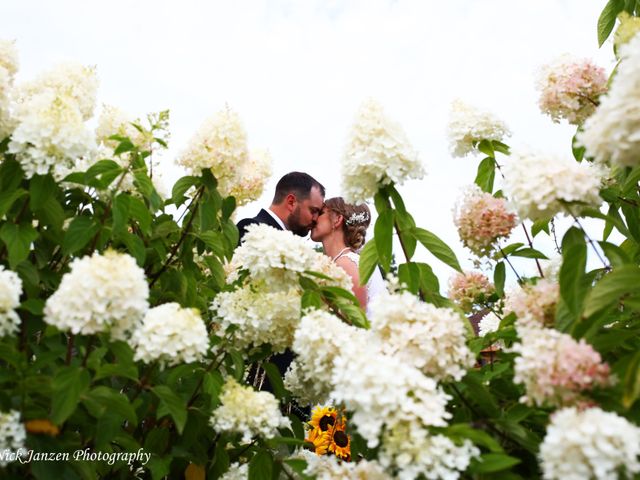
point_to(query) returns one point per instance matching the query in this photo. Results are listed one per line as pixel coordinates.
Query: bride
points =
(342, 227)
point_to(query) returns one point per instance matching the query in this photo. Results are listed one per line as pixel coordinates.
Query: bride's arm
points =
(352, 269)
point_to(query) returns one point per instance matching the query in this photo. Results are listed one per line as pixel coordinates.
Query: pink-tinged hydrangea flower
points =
(610, 135)
(554, 368)
(543, 185)
(469, 289)
(569, 89)
(482, 220)
(590, 443)
(627, 29)
(534, 305)
(469, 126)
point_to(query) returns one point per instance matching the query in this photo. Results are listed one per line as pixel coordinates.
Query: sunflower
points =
(323, 418)
(318, 441)
(340, 442)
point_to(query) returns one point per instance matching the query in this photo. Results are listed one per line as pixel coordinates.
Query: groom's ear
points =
(290, 201)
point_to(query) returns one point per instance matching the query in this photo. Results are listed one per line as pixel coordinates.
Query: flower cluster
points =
(12, 433)
(326, 432)
(245, 411)
(8, 69)
(542, 185)
(534, 304)
(10, 291)
(221, 146)
(414, 452)
(101, 293)
(569, 89)
(469, 289)
(482, 220)
(261, 316)
(610, 134)
(468, 126)
(329, 468)
(236, 471)
(428, 338)
(589, 444)
(266, 308)
(383, 390)
(378, 153)
(488, 324)
(251, 178)
(628, 28)
(170, 335)
(49, 120)
(114, 121)
(319, 339)
(555, 368)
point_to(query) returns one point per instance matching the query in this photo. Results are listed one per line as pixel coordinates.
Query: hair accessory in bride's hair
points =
(356, 218)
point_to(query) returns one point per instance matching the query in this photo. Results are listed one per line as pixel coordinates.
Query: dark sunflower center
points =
(341, 439)
(325, 422)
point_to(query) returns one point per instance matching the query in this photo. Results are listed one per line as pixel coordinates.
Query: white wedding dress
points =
(375, 285)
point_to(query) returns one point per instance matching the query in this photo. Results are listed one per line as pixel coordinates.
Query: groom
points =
(296, 205)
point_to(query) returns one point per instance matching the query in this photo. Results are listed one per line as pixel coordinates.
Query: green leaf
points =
(479, 437)
(607, 19)
(616, 255)
(499, 276)
(492, 462)
(228, 207)
(261, 466)
(383, 238)
(405, 225)
(437, 247)
(117, 370)
(110, 401)
(614, 285)
(145, 186)
(275, 379)
(577, 149)
(173, 405)
(120, 212)
(632, 382)
(486, 147)
(18, 239)
(7, 199)
(368, 261)
(486, 174)
(509, 249)
(539, 226)
(409, 274)
(81, 230)
(529, 253)
(135, 247)
(41, 189)
(124, 146)
(215, 241)
(572, 283)
(68, 385)
(181, 186)
(140, 213)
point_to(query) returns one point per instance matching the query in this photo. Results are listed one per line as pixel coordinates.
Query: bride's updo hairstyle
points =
(356, 220)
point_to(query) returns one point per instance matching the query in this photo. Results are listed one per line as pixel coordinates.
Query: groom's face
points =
(306, 212)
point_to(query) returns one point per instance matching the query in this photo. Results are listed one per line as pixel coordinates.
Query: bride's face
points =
(323, 225)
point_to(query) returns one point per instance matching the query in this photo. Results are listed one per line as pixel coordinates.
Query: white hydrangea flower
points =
(469, 125)
(49, 131)
(429, 338)
(74, 81)
(260, 316)
(236, 471)
(245, 411)
(252, 175)
(319, 339)
(328, 467)
(8, 69)
(219, 145)
(534, 305)
(10, 291)
(412, 452)
(277, 257)
(12, 433)
(101, 293)
(114, 121)
(543, 185)
(611, 133)
(9, 56)
(171, 335)
(589, 444)
(378, 153)
(383, 390)
(488, 324)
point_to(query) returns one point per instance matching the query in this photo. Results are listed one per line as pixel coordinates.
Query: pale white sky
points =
(296, 72)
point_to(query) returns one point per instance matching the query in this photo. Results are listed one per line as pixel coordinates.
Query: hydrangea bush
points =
(130, 319)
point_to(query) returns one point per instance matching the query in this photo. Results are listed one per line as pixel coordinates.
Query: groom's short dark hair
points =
(299, 183)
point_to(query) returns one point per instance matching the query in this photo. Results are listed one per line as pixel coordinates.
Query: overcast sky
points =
(296, 71)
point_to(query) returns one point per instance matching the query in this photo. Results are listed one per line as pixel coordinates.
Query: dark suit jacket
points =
(262, 217)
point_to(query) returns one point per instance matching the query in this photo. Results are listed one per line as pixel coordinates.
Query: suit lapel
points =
(264, 217)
